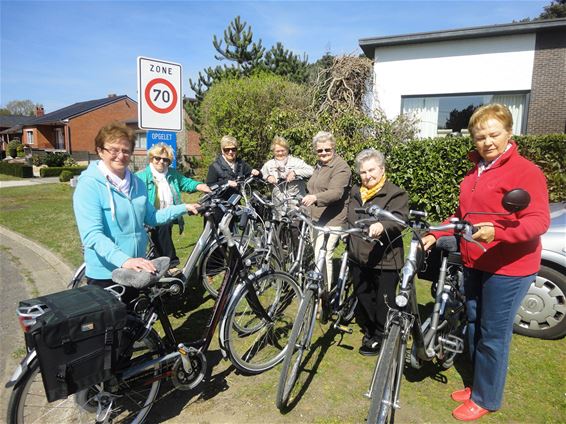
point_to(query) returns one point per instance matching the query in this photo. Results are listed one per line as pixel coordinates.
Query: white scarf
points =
(162, 186)
(122, 184)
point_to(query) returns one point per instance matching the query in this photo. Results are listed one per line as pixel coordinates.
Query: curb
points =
(53, 260)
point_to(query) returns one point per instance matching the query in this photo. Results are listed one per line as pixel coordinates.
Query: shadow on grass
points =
(318, 348)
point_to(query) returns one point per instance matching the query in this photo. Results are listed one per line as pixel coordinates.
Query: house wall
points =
(547, 106)
(83, 128)
(44, 137)
(452, 67)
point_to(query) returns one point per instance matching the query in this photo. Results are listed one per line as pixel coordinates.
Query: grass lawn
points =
(337, 376)
(4, 177)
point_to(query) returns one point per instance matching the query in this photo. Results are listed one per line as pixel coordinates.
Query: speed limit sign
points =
(159, 95)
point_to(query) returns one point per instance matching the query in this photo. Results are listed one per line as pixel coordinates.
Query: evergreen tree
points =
(283, 62)
(556, 9)
(239, 46)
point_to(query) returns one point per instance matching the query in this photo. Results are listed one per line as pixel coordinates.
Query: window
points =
(29, 136)
(141, 140)
(441, 115)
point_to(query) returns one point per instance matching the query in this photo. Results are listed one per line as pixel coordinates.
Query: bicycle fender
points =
(21, 369)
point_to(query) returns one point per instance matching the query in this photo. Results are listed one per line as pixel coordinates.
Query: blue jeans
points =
(492, 301)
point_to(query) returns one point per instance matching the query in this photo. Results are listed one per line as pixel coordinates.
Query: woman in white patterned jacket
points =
(286, 169)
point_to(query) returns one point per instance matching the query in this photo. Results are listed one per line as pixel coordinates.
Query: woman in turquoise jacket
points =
(111, 207)
(164, 186)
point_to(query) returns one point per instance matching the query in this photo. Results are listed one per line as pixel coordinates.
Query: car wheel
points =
(542, 313)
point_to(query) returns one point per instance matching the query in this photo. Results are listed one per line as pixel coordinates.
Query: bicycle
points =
(134, 386)
(336, 304)
(441, 337)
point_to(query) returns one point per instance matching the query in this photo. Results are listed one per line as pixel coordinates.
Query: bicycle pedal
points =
(452, 343)
(343, 328)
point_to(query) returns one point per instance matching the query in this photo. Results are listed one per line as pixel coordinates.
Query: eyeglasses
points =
(324, 150)
(115, 152)
(230, 149)
(160, 159)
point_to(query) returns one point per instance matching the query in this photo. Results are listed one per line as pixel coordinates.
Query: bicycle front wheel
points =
(127, 401)
(79, 278)
(298, 343)
(253, 342)
(382, 409)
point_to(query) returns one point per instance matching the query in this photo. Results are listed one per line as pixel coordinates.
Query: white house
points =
(440, 77)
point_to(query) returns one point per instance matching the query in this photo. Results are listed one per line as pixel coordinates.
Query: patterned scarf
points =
(163, 194)
(368, 193)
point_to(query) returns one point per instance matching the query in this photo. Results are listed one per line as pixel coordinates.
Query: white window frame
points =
(29, 137)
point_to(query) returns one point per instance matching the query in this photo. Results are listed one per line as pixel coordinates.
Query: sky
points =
(61, 52)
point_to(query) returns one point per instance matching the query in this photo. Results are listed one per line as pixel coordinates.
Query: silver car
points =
(543, 311)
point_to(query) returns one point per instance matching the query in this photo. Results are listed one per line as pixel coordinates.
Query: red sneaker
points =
(462, 395)
(469, 411)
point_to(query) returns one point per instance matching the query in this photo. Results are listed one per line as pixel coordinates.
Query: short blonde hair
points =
(160, 149)
(228, 140)
(279, 141)
(491, 111)
(323, 137)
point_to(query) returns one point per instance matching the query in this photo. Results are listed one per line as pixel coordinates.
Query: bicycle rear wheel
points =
(253, 343)
(298, 342)
(382, 409)
(130, 400)
(79, 278)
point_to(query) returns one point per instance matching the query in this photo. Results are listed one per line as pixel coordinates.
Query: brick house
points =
(73, 128)
(440, 77)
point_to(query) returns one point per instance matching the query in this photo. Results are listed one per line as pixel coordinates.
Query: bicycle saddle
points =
(139, 280)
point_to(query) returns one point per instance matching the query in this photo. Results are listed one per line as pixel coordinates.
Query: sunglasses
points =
(230, 149)
(160, 159)
(324, 150)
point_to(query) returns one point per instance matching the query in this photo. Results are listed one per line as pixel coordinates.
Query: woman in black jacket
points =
(375, 265)
(227, 167)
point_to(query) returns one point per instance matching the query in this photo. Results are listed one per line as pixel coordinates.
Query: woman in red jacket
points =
(496, 281)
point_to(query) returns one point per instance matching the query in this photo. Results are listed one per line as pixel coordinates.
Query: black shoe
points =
(370, 348)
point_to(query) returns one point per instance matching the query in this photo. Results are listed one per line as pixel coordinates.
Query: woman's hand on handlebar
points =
(375, 230)
(428, 241)
(255, 172)
(291, 176)
(192, 208)
(139, 265)
(271, 179)
(232, 183)
(309, 199)
(485, 232)
(204, 188)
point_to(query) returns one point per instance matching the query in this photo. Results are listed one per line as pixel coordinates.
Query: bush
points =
(66, 176)
(244, 109)
(54, 159)
(13, 147)
(57, 170)
(16, 169)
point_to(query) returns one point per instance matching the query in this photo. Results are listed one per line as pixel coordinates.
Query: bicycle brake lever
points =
(477, 243)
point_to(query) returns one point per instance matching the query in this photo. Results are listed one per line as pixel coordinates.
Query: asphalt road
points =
(26, 270)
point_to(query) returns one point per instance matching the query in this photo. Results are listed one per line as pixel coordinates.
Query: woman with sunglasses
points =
(328, 195)
(164, 187)
(111, 207)
(228, 167)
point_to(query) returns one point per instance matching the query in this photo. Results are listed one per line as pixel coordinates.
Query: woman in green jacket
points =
(164, 187)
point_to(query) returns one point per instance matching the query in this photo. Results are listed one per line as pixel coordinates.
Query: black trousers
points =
(372, 287)
(161, 237)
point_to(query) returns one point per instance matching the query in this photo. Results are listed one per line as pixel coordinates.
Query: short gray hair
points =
(368, 154)
(323, 137)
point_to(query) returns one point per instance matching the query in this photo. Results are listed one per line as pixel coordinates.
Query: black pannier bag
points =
(77, 340)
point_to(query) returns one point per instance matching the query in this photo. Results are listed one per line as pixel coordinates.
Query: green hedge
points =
(55, 171)
(16, 169)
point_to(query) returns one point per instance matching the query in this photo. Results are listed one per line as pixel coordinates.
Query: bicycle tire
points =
(380, 410)
(348, 303)
(82, 406)
(253, 344)
(302, 331)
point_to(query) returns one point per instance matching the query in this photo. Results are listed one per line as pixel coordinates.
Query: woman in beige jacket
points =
(328, 194)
